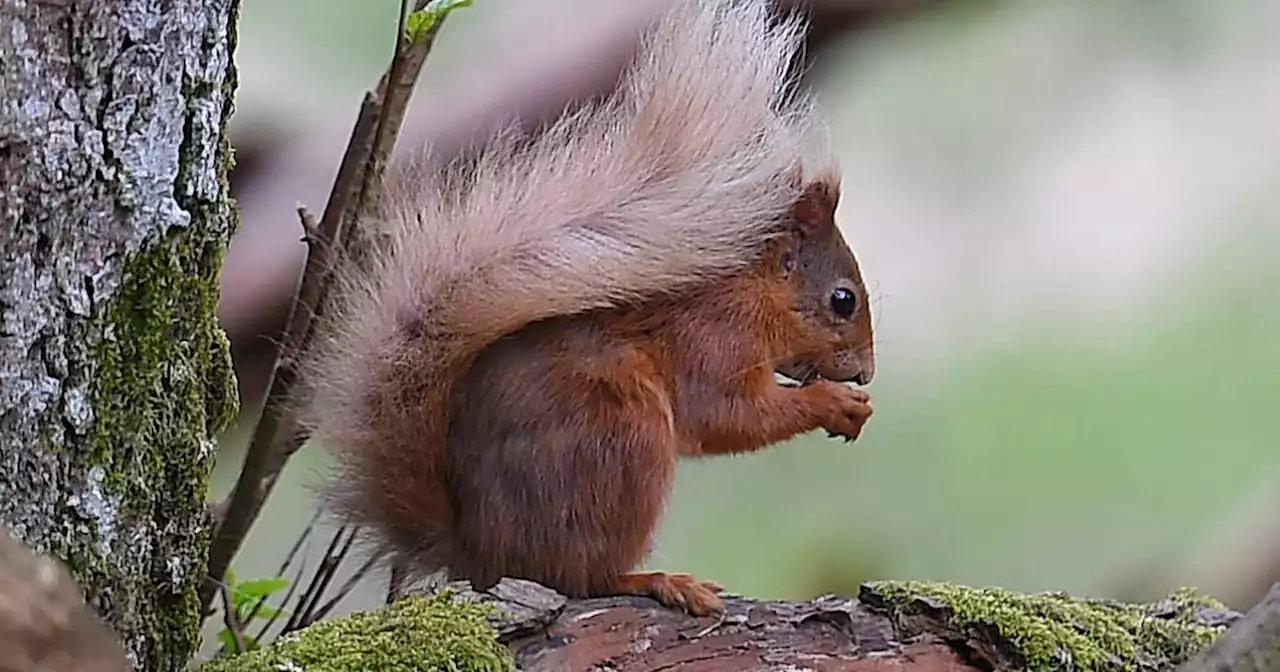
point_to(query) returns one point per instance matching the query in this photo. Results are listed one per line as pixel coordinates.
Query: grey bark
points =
(114, 376)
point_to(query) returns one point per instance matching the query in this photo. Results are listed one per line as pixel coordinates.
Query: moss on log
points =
(416, 633)
(1056, 631)
(898, 626)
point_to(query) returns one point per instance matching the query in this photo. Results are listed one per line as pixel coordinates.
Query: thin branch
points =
(346, 588)
(330, 566)
(395, 582)
(306, 613)
(248, 494)
(308, 597)
(310, 229)
(232, 620)
(294, 582)
(353, 196)
(298, 545)
(396, 86)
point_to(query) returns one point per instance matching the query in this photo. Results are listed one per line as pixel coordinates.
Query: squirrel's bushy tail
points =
(677, 177)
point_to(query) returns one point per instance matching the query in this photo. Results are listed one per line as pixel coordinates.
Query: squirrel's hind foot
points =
(677, 591)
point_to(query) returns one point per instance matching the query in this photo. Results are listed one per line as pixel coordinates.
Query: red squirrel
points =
(507, 382)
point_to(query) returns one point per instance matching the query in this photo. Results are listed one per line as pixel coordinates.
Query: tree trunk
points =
(114, 374)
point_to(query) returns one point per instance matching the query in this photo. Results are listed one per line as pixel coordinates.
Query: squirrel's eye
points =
(843, 302)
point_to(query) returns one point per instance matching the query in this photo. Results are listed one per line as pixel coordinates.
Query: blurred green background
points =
(1068, 215)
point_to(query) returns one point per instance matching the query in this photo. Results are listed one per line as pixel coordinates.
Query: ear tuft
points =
(815, 212)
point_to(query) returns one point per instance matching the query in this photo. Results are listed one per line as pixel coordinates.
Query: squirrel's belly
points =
(557, 474)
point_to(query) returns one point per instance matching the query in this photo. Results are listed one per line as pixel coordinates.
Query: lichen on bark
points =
(114, 375)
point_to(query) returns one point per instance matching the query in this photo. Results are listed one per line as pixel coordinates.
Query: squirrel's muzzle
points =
(865, 360)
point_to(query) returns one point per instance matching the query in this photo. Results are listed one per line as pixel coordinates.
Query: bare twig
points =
(231, 619)
(346, 588)
(395, 582)
(353, 196)
(294, 582)
(397, 85)
(334, 555)
(298, 619)
(310, 229)
(298, 545)
(249, 493)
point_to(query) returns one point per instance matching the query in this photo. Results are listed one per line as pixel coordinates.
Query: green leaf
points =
(267, 611)
(243, 609)
(252, 590)
(228, 640)
(419, 23)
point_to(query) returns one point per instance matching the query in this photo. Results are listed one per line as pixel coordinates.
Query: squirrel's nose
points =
(866, 366)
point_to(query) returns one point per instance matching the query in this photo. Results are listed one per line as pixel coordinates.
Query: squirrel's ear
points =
(815, 212)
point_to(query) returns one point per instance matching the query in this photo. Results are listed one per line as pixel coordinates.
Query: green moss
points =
(163, 387)
(417, 633)
(1054, 631)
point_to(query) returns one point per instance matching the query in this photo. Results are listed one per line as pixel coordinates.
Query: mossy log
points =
(897, 626)
(114, 374)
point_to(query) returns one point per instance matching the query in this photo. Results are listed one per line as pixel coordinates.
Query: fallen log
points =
(889, 625)
(899, 626)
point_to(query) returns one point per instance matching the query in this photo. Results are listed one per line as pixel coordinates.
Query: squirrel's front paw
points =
(844, 409)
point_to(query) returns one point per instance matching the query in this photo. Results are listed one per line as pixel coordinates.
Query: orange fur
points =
(508, 381)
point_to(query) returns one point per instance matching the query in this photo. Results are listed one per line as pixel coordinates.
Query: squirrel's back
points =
(679, 177)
